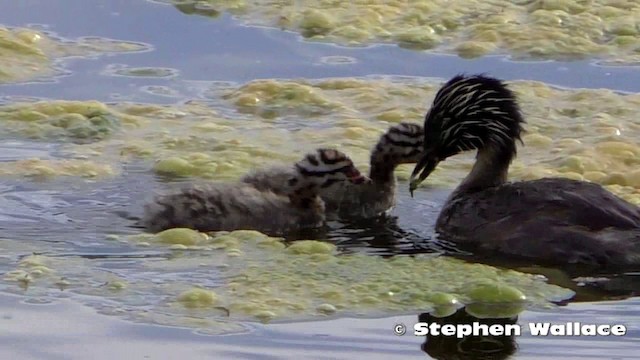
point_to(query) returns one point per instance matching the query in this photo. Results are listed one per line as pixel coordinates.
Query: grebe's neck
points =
(382, 167)
(381, 174)
(490, 169)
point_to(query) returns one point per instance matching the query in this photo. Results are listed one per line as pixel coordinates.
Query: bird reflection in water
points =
(469, 347)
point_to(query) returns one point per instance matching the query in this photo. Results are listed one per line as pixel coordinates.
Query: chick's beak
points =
(357, 178)
(423, 169)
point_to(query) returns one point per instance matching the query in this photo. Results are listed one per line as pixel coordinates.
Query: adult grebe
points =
(552, 220)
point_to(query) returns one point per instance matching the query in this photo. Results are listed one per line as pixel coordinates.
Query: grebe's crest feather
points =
(473, 112)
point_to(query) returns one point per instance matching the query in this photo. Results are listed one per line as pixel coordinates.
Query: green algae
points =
(77, 121)
(196, 297)
(150, 72)
(45, 169)
(28, 54)
(580, 134)
(548, 29)
(492, 293)
(269, 283)
(310, 247)
(180, 236)
(270, 99)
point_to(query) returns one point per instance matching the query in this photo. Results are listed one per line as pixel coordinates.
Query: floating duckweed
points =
(181, 236)
(198, 298)
(311, 247)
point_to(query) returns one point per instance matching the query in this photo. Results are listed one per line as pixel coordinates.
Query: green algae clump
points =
(494, 300)
(174, 166)
(46, 169)
(310, 247)
(80, 121)
(547, 29)
(492, 293)
(21, 57)
(441, 299)
(198, 298)
(269, 99)
(181, 236)
(315, 22)
(273, 284)
(27, 54)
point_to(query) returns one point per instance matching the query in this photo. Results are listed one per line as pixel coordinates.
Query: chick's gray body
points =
(233, 206)
(226, 207)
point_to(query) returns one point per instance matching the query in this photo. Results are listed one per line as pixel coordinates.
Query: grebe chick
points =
(551, 220)
(235, 206)
(400, 144)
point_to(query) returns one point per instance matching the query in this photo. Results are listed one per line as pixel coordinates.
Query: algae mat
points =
(212, 282)
(543, 29)
(581, 134)
(29, 54)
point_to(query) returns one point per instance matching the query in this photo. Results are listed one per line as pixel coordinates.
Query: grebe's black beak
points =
(423, 169)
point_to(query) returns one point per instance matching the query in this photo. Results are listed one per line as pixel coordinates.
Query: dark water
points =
(74, 214)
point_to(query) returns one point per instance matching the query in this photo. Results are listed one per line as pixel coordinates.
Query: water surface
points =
(70, 217)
